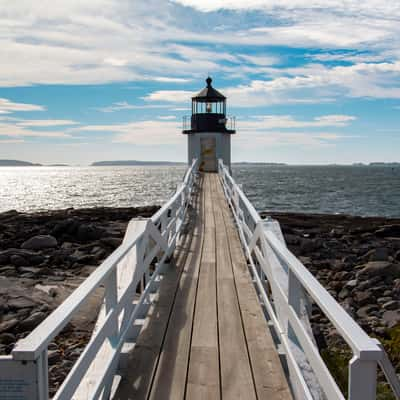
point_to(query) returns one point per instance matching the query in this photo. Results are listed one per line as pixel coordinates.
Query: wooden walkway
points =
(206, 336)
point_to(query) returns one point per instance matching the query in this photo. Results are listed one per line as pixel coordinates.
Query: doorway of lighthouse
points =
(208, 155)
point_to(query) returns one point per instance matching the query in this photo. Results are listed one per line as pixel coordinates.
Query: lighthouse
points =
(209, 137)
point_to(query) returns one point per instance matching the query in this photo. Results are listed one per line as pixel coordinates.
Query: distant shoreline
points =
(119, 163)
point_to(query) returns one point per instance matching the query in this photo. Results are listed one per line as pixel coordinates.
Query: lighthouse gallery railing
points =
(286, 287)
(24, 374)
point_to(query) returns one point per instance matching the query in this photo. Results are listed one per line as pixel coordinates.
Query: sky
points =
(309, 81)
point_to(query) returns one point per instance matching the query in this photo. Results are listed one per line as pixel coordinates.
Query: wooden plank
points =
(142, 362)
(236, 375)
(269, 378)
(170, 378)
(203, 369)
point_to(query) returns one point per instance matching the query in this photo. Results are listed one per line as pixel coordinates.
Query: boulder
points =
(378, 268)
(40, 242)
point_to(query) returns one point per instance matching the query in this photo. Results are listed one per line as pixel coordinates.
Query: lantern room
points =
(210, 129)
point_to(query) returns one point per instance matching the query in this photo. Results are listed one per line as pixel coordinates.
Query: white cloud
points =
(124, 105)
(167, 117)
(109, 40)
(12, 130)
(166, 79)
(263, 122)
(11, 141)
(8, 106)
(141, 132)
(116, 62)
(46, 122)
(172, 96)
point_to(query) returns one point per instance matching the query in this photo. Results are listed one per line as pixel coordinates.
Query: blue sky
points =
(310, 82)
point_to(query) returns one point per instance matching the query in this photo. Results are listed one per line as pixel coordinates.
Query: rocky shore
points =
(45, 256)
(358, 261)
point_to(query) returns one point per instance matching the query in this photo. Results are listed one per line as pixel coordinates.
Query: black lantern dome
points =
(208, 111)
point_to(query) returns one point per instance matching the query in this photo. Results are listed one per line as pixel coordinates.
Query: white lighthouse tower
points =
(209, 139)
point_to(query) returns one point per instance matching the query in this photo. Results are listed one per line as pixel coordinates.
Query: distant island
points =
(257, 163)
(18, 163)
(133, 162)
(377, 164)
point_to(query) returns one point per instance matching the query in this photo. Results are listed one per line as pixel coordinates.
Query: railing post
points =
(111, 301)
(295, 292)
(43, 376)
(362, 379)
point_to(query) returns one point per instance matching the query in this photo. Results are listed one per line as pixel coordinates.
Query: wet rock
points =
(40, 242)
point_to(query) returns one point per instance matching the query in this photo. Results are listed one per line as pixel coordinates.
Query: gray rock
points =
(351, 284)
(366, 311)
(309, 245)
(344, 293)
(8, 325)
(375, 268)
(364, 298)
(53, 356)
(291, 239)
(32, 321)
(40, 242)
(18, 261)
(388, 230)
(7, 338)
(89, 232)
(391, 318)
(391, 305)
(20, 302)
(378, 254)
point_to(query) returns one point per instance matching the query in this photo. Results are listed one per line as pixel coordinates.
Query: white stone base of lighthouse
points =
(208, 147)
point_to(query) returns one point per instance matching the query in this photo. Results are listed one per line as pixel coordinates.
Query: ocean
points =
(354, 190)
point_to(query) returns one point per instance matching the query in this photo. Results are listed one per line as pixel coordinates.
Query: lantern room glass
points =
(209, 107)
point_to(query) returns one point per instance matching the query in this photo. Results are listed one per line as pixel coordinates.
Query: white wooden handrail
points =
(286, 287)
(155, 238)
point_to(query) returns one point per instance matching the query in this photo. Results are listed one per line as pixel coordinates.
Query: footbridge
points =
(201, 301)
